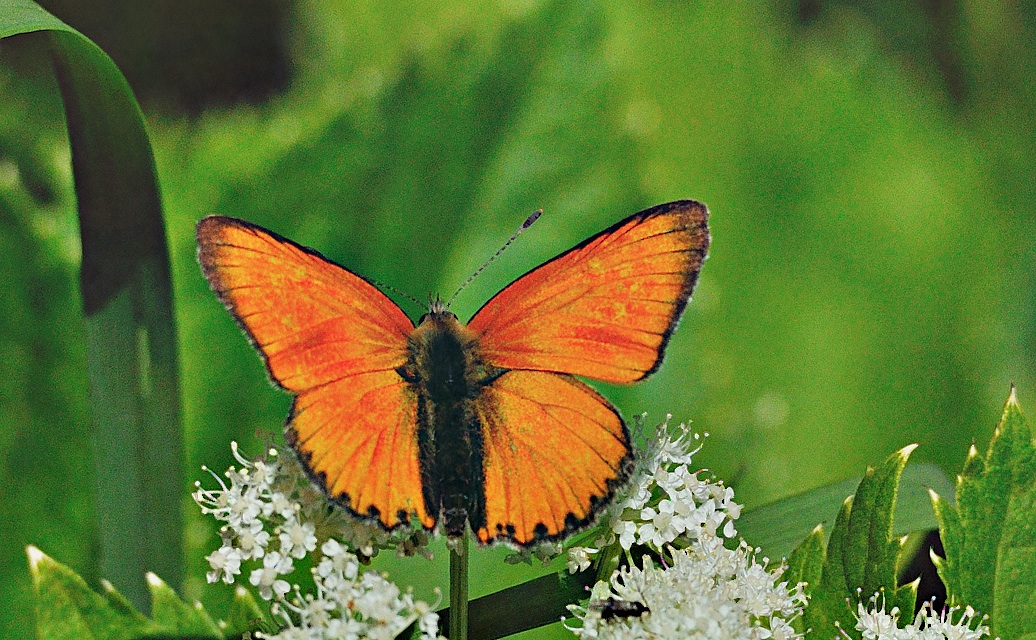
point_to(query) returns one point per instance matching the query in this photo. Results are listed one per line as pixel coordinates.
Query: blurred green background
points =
(870, 168)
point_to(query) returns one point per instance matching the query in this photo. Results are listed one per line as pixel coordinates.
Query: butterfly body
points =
(451, 425)
(447, 375)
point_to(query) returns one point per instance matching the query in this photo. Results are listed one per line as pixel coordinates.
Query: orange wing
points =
(606, 308)
(554, 451)
(334, 340)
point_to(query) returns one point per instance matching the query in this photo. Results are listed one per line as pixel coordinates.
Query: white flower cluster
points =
(665, 501)
(877, 624)
(349, 604)
(707, 592)
(703, 590)
(271, 519)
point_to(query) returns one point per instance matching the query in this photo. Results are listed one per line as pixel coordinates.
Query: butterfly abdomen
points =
(447, 375)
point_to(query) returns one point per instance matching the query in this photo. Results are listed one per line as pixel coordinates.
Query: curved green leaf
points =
(127, 299)
(543, 600)
(828, 604)
(871, 556)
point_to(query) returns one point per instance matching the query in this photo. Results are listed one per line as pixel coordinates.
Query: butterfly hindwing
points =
(334, 340)
(554, 451)
(358, 437)
(604, 309)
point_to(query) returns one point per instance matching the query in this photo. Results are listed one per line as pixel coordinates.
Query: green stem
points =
(459, 590)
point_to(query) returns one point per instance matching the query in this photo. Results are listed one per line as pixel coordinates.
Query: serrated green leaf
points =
(66, 608)
(1014, 611)
(828, 600)
(175, 616)
(779, 526)
(806, 564)
(952, 540)
(996, 506)
(974, 465)
(862, 553)
(870, 557)
(990, 538)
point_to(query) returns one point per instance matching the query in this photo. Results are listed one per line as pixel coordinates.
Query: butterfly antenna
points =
(381, 285)
(525, 225)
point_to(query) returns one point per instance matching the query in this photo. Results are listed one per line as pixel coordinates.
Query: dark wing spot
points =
(571, 521)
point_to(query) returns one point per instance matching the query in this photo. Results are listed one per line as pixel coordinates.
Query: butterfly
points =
(447, 424)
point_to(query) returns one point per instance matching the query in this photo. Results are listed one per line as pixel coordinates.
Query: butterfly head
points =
(438, 311)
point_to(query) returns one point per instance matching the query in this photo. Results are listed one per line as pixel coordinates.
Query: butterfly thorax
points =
(446, 373)
(443, 356)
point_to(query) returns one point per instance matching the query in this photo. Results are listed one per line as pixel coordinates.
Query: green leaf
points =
(779, 526)
(990, 538)
(66, 607)
(871, 555)
(807, 560)
(806, 564)
(116, 599)
(828, 599)
(544, 601)
(127, 299)
(170, 612)
(245, 614)
(905, 597)
(862, 552)
(952, 536)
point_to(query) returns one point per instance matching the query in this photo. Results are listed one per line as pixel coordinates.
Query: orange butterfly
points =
(481, 424)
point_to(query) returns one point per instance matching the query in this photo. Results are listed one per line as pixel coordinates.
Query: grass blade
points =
(127, 299)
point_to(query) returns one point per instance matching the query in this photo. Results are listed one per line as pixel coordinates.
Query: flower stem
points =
(459, 590)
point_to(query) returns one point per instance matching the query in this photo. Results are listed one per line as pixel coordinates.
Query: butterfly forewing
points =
(312, 320)
(606, 308)
(334, 340)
